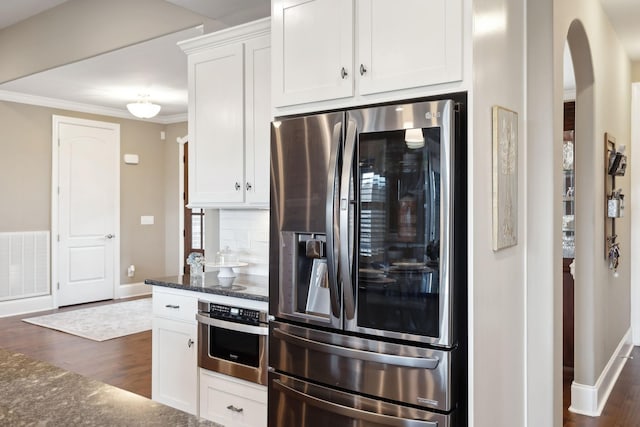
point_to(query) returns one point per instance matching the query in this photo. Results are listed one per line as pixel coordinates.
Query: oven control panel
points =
(236, 314)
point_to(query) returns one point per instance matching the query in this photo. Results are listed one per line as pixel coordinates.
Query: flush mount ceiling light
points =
(143, 109)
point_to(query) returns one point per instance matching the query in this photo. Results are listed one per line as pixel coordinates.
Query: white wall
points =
(497, 295)
(634, 204)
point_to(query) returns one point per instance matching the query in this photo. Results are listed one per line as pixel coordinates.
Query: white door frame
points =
(55, 183)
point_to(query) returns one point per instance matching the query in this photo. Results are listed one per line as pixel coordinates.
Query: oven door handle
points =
(369, 356)
(240, 327)
(357, 414)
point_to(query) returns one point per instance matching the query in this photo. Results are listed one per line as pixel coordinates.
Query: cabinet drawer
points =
(173, 306)
(232, 402)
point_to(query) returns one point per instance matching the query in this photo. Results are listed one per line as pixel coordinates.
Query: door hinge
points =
(184, 196)
(58, 285)
(184, 233)
(58, 237)
(58, 190)
(58, 142)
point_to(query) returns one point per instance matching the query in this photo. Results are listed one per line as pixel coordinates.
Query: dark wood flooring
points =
(126, 363)
(623, 406)
(123, 362)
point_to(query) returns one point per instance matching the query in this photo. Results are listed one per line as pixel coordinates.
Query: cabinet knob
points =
(343, 73)
(234, 409)
(109, 236)
(249, 186)
(238, 186)
(190, 343)
(363, 69)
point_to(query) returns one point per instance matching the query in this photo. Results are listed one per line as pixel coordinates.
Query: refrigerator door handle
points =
(369, 356)
(345, 228)
(332, 223)
(356, 414)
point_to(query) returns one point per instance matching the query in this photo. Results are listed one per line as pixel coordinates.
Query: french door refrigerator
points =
(368, 267)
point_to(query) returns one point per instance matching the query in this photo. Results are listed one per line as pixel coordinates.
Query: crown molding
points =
(42, 101)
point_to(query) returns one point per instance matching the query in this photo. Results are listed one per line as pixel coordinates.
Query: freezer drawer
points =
(403, 373)
(293, 402)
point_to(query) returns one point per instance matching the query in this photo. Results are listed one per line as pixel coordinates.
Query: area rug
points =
(100, 323)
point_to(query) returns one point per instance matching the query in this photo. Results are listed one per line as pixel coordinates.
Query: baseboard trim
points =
(133, 290)
(590, 400)
(26, 305)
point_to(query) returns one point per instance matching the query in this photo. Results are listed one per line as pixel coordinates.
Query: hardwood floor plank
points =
(124, 362)
(623, 406)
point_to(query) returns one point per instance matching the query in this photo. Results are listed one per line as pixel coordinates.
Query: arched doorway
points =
(588, 240)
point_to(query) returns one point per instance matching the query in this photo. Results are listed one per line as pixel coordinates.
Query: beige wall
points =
(80, 29)
(601, 300)
(173, 156)
(25, 174)
(635, 71)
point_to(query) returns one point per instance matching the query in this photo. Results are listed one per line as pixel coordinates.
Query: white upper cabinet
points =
(332, 49)
(408, 43)
(312, 43)
(257, 119)
(229, 117)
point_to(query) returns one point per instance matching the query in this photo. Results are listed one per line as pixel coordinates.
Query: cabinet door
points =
(175, 364)
(312, 42)
(418, 44)
(257, 119)
(216, 126)
(232, 402)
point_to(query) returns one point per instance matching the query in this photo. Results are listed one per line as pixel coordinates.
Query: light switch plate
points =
(146, 220)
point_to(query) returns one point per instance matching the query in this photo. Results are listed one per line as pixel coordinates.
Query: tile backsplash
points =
(246, 233)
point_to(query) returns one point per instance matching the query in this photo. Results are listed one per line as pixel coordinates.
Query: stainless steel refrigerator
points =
(368, 267)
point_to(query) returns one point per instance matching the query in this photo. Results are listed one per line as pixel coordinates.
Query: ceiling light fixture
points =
(143, 109)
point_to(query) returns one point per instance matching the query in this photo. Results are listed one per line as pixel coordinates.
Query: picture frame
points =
(505, 177)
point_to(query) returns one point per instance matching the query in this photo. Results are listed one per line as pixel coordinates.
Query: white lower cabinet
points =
(231, 401)
(174, 353)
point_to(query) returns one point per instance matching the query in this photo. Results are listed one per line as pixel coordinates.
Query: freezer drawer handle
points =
(358, 414)
(389, 359)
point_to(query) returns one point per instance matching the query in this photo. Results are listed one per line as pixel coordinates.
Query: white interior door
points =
(87, 209)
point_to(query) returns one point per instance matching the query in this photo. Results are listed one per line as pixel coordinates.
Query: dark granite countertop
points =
(34, 393)
(242, 286)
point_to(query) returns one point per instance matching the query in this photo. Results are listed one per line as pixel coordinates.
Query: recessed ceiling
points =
(157, 68)
(14, 11)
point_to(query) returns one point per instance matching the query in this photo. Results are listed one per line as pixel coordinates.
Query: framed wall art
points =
(505, 178)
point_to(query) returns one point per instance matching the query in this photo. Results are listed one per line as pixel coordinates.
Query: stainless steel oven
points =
(233, 341)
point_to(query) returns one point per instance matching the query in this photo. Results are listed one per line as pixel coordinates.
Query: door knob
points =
(343, 73)
(238, 186)
(110, 236)
(249, 186)
(363, 69)
(190, 342)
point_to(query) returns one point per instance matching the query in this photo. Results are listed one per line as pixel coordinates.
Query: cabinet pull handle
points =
(249, 186)
(234, 409)
(190, 342)
(238, 186)
(343, 73)
(172, 306)
(363, 69)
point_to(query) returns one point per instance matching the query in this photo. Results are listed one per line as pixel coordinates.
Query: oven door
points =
(234, 349)
(293, 402)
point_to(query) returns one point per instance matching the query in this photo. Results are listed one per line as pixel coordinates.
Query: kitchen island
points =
(36, 393)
